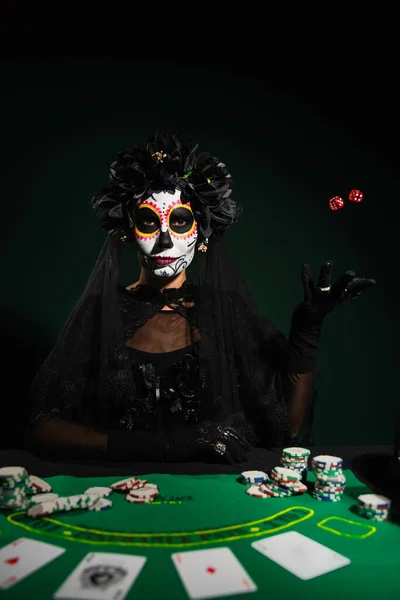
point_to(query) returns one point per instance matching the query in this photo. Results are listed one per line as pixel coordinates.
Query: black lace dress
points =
(161, 344)
(166, 388)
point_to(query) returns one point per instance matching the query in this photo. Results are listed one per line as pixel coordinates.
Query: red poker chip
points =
(256, 492)
(128, 484)
(39, 485)
(134, 500)
(285, 482)
(150, 490)
(299, 489)
(329, 489)
(266, 490)
(147, 494)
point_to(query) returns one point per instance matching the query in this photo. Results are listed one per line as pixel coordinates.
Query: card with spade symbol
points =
(102, 576)
(23, 557)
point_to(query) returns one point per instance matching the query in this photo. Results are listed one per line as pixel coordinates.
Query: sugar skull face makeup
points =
(166, 233)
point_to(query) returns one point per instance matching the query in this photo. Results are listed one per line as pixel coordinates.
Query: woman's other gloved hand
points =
(209, 442)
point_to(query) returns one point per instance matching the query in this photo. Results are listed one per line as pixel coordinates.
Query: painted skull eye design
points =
(166, 233)
(181, 220)
(147, 221)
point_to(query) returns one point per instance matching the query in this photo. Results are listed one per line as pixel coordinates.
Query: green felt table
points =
(211, 511)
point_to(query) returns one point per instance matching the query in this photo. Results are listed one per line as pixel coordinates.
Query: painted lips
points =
(163, 261)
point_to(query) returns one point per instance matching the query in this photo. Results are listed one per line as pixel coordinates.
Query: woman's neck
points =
(160, 283)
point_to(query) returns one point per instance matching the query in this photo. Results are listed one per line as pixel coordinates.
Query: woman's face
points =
(166, 233)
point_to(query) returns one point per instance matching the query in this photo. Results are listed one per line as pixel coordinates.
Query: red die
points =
(336, 203)
(356, 196)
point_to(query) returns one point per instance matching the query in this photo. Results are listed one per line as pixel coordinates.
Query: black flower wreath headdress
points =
(167, 162)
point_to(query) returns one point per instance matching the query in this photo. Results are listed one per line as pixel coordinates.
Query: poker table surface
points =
(205, 506)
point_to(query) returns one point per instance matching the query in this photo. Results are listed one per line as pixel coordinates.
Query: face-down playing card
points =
(300, 555)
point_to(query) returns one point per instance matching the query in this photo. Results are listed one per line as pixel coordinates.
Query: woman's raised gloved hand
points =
(308, 316)
(321, 300)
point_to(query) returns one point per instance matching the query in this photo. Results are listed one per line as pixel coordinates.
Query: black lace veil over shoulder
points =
(241, 356)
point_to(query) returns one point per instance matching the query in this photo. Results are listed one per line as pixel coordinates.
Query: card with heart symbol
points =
(23, 557)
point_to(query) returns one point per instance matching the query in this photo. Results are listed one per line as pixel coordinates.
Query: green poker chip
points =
(296, 452)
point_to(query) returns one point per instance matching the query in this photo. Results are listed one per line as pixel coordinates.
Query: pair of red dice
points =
(337, 202)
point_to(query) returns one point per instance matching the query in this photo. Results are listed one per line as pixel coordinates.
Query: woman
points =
(168, 369)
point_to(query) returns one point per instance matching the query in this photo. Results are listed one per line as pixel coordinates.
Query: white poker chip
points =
(101, 504)
(295, 462)
(268, 490)
(286, 474)
(326, 461)
(103, 492)
(339, 479)
(300, 488)
(13, 473)
(39, 485)
(77, 501)
(39, 498)
(256, 492)
(374, 501)
(328, 497)
(296, 487)
(128, 484)
(254, 476)
(43, 509)
(296, 452)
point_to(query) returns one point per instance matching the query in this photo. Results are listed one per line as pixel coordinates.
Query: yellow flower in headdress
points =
(158, 156)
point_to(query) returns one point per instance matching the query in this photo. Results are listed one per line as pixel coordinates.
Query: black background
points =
(340, 66)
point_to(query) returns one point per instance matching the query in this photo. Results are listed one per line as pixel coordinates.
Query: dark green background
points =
(63, 123)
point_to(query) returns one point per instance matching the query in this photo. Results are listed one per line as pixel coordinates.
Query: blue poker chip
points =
(254, 477)
(330, 484)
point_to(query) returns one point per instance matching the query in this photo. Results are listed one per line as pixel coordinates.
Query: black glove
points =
(209, 442)
(318, 302)
(322, 300)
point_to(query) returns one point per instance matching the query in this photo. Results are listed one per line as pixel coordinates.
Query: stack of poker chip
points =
(282, 483)
(15, 488)
(67, 503)
(138, 491)
(374, 507)
(254, 479)
(330, 480)
(21, 491)
(296, 458)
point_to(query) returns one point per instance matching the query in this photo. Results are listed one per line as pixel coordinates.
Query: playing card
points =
(212, 573)
(300, 555)
(22, 557)
(102, 576)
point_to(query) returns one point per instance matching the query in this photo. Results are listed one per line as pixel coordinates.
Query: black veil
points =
(242, 357)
